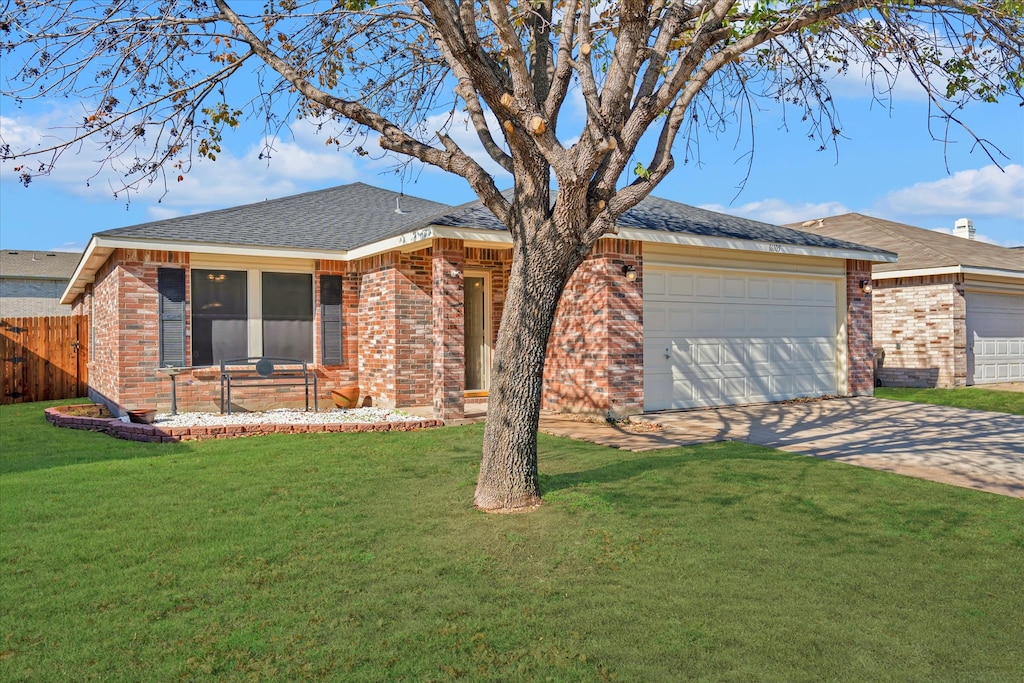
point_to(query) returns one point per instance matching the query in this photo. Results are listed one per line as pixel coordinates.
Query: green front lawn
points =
(358, 557)
(964, 397)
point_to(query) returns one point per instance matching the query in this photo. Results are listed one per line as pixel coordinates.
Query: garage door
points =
(995, 338)
(720, 339)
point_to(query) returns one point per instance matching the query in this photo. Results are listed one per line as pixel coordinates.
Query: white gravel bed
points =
(284, 416)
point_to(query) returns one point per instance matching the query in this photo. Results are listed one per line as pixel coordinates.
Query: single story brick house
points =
(32, 282)
(403, 297)
(950, 313)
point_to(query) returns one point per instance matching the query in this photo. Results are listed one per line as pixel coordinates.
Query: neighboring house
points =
(403, 296)
(32, 282)
(950, 313)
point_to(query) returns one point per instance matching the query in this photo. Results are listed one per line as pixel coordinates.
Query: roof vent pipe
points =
(398, 205)
(964, 227)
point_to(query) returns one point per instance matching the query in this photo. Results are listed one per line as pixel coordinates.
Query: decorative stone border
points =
(96, 418)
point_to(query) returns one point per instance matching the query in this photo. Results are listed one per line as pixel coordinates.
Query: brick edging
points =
(152, 433)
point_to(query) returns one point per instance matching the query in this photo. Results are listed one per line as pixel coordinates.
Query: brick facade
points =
(449, 345)
(860, 380)
(920, 326)
(595, 353)
(404, 341)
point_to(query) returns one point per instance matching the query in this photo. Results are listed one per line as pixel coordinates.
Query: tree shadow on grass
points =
(628, 468)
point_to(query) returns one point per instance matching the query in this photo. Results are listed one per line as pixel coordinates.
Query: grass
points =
(358, 557)
(963, 397)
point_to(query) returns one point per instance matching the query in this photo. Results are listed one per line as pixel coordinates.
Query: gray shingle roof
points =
(48, 265)
(655, 213)
(917, 247)
(337, 218)
(355, 215)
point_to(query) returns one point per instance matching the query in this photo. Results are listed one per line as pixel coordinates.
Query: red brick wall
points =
(126, 354)
(920, 324)
(104, 351)
(860, 359)
(449, 341)
(595, 353)
(396, 328)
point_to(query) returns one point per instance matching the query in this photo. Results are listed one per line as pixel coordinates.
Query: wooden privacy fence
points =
(44, 358)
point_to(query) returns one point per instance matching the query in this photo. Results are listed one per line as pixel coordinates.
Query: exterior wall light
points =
(865, 286)
(629, 272)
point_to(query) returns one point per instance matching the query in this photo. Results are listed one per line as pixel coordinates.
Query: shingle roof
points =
(918, 248)
(337, 218)
(47, 265)
(355, 215)
(655, 213)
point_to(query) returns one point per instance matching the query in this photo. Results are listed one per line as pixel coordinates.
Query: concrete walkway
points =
(971, 448)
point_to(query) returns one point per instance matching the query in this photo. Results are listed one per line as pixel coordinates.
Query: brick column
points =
(448, 299)
(595, 353)
(860, 377)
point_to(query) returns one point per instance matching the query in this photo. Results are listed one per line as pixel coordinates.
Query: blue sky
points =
(886, 165)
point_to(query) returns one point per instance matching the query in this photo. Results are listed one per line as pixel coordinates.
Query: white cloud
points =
(299, 163)
(464, 134)
(987, 191)
(780, 212)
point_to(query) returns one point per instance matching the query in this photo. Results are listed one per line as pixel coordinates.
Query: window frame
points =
(254, 267)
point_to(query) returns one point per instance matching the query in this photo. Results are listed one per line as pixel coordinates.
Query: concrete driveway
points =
(971, 448)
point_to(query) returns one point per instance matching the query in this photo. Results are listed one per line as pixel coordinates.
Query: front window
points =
(219, 316)
(288, 315)
(238, 313)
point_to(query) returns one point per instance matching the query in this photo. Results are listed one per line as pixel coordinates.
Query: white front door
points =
(477, 332)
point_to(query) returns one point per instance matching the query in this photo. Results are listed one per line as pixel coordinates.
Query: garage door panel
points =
(733, 339)
(759, 352)
(758, 288)
(680, 320)
(995, 337)
(734, 322)
(782, 290)
(782, 354)
(655, 283)
(734, 287)
(803, 352)
(654, 320)
(680, 285)
(734, 388)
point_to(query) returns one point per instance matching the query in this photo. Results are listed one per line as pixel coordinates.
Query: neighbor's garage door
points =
(995, 338)
(719, 339)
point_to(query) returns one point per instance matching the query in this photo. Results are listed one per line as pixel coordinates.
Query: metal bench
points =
(261, 371)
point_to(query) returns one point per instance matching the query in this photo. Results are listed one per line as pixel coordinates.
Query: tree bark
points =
(541, 267)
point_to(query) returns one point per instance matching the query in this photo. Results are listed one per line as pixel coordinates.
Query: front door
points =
(477, 333)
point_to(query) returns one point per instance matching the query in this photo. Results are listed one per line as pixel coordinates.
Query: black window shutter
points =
(330, 319)
(171, 286)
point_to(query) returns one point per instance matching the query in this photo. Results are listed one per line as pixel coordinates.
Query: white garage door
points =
(719, 339)
(995, 338)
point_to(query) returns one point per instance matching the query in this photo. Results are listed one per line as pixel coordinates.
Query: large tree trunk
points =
(540, 269)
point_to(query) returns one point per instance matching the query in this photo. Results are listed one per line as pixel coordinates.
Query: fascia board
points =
(949, 270)
(994, 272)
(661, 237)
(421, 239)
(85, 271)
(229, 249)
